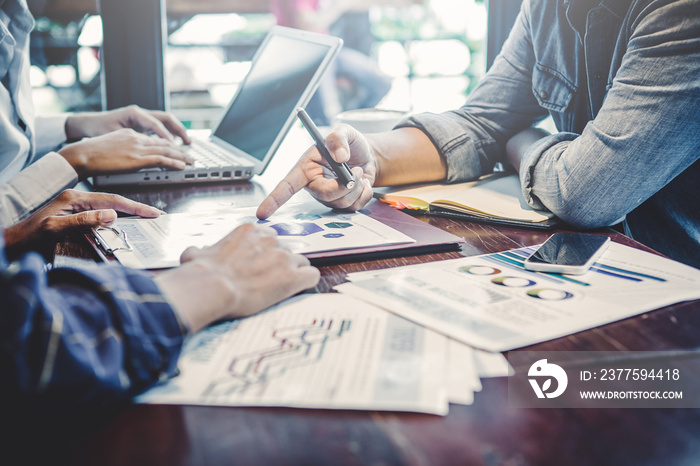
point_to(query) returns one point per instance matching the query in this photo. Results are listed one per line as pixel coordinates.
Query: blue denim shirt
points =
(621, 80)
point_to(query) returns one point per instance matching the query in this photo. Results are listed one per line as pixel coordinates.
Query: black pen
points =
(341, 170)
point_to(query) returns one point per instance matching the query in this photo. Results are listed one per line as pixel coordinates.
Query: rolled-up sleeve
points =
(646, 133)
(472, 139)
(73, 336)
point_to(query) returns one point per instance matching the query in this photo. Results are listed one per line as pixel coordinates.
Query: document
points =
(491, 302)
(491, 365)
(495, 197)
(315, 351)
(463, 377)
(305, 228)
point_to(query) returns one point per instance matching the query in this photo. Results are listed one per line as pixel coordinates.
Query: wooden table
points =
(488, 432)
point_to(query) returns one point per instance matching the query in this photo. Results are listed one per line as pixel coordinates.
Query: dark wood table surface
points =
(487, 432)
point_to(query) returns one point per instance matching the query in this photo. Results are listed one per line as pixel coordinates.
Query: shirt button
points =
(544, 95)
(598, 76)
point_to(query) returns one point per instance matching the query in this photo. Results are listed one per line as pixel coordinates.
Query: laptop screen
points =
(270, 93)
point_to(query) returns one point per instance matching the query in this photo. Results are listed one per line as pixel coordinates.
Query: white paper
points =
(319, 351)
(304, 228)
(493, 303)
(491, 364)
(463, 378)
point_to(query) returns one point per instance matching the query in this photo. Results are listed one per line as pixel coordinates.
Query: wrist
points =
(74, 156)
(73, 127)
(13, 236)
(376, 158)
(198, 294)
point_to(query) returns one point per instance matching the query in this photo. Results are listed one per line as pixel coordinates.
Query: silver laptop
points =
(284, 74)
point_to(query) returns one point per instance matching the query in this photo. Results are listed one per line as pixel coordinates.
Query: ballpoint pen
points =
(341, 170)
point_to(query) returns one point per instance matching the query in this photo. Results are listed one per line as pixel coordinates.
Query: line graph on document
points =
(293, 347)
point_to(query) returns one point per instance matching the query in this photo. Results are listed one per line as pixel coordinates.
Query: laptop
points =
(284, 74)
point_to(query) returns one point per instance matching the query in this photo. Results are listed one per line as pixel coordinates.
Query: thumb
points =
(106, 217)
(92, 219)
(61, 225)
(189, 254)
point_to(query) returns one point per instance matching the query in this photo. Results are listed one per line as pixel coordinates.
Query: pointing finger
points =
(294, 182)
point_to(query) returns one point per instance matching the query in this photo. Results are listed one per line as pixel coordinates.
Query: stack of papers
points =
(327, 351)
(344, 351)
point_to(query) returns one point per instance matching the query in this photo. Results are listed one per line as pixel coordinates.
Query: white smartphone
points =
(571, 253)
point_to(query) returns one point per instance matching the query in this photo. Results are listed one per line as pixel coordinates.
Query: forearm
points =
(51, 347)
(195, 292)
(33, 186)
(644, 136)
(518, 145)
(406, 155)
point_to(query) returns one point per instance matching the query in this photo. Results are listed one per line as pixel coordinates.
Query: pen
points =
(341, 170)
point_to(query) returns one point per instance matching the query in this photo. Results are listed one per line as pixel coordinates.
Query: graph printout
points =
(303, 228)
(320, 351)
(493, 303)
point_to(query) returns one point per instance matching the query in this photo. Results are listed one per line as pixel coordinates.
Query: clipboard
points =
(109, 242)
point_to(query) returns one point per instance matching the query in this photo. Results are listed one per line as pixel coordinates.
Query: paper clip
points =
(120, 235)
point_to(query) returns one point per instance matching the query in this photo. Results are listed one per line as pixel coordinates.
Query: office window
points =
(64, 52)
(432, 51)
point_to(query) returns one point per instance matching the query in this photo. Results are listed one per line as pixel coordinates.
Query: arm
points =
(108, 333)
(456, 146)
(645, 134)
(83, 336)
(50, 133)
(472, 139)
(69, 211)
(33, 186)
(119, 141)
(518, 145)
(401, 156)
(163, 124)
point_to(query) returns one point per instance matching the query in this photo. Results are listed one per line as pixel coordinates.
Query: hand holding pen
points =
(341, 170)
(332, 183)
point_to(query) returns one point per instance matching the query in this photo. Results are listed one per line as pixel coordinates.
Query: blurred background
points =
(421, 55)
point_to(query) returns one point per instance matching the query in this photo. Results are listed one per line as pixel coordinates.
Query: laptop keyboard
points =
(208, 155)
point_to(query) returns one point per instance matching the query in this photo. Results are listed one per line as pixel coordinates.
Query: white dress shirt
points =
(30, 173)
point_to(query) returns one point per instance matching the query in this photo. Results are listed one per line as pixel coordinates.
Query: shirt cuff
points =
(33, 186)
(447, 133)
(51, 132)
(535, 192)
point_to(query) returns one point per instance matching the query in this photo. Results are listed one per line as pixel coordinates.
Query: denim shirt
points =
(621, 80)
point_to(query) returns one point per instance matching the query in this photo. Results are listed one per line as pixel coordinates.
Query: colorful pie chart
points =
(479, 270)
(549, 294)
(513, 282)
